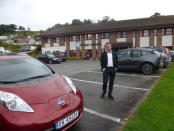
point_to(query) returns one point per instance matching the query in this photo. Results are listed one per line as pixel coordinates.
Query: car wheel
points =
(147, 68)
(50, 61)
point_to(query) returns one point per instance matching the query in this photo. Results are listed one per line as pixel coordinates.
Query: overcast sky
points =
(41, 14)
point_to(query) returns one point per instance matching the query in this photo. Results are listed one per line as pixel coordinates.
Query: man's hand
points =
(103, 69)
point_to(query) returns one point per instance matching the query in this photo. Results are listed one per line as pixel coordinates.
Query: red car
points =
(34, 98)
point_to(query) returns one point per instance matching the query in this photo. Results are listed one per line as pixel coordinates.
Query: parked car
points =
(49, 58)
(164, 54)
(34, 97)
(171, 52)
(140, 59)
(61, 55)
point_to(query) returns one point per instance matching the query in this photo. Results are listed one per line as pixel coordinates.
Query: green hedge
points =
(74, 58)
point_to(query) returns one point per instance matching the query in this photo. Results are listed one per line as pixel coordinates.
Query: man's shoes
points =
(110, 97)
(103, 94)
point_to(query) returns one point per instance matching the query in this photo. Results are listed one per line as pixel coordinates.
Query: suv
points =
(140, 59)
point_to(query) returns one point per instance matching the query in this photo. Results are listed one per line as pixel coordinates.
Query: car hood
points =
(40, 92)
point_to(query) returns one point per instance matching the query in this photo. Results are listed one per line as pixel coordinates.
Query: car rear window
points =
(16, 70)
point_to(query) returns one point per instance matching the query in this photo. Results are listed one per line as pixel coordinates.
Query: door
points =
(136, 59)
(124, 60)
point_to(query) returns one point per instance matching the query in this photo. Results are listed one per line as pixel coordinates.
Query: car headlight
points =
(55, 59)
(14, 103)
(70, 83)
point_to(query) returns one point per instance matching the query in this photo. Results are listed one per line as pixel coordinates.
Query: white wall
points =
(103, 42)
(89, 43)
(144, 41)
(72, 45)
(55, 44)
(47, 45)
(167, 40)
(121, 39)
(155, 40)
(51, 49)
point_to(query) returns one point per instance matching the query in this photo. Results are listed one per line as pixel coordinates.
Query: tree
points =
(28, 29)
(76, 22)
(156, 14)
(87, 21)
(21, 28)
(104, 19)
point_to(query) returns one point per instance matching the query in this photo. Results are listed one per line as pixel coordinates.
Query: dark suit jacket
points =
(104, 60)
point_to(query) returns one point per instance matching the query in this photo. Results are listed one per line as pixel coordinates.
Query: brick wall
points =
(61, 41)
(51, 42)
(173, 40)
(99, 45)
(159, 37)
(137, 39)
(83, 46)
(112, 37)
(151, 37)
(42, 42)
(129, 37)
(78, 49)
(67, 46)
(93, 46)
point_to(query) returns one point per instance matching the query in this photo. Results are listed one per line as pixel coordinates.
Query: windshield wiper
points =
(34, 77)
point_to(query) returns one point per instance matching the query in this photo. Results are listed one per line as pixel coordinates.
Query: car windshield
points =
(51, 55)
(21, 69)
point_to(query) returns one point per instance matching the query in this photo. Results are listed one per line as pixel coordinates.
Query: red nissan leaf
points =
(35, 98)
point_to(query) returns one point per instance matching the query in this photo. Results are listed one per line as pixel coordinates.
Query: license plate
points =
(66, 120)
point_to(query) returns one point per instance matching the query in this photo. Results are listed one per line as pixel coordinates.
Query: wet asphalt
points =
(129, 89)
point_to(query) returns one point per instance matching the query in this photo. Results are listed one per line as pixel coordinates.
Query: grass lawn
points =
(157, 112)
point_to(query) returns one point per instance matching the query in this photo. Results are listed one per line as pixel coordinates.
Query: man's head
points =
(108, 47)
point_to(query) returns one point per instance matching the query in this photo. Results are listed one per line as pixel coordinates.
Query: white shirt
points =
(110, 60)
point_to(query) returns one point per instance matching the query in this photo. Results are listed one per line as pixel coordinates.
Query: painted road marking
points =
(127, 74)
(135, 88)
(102, 115)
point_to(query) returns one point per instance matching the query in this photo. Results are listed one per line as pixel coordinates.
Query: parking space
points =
(105, 114)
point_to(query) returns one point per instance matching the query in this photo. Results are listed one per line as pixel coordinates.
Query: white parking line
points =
(127, 74)
(134, 88)
(102, 115)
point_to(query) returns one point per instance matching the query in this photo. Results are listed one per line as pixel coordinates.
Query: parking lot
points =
(105, 114)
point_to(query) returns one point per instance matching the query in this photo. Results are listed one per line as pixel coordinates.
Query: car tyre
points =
(147, 68)
(50, 61)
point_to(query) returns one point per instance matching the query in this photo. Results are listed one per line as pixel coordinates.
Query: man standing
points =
(109, 63)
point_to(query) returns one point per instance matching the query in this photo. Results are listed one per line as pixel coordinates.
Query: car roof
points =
(144, 49)
(15, 57)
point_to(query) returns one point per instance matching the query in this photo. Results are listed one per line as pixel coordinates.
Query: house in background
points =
(26, 41)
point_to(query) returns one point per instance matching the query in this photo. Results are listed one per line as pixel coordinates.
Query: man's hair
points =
(108, 43)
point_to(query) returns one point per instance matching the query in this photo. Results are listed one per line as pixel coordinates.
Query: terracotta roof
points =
(22, 40)
(109, 26)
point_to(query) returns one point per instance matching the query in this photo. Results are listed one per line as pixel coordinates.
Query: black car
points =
(49, 58)
(140, 59)
(61, 55)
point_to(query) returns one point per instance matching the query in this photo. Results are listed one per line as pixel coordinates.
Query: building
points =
(81, 40)
(26, 41)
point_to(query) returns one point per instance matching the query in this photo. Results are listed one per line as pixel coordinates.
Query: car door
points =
(43, 57)
(136, 57)
(124, 60)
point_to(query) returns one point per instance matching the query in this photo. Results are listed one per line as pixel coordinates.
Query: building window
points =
(121, 34)
(155, 32)
(144, 33)
(89, 36)
(48, 40)
(105, 36)
(57, 39)
(96, 36)
(134, 33)
(73, 38)
(167, 31)
(80, 37)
